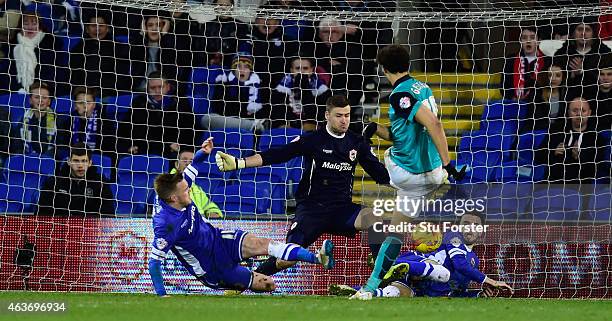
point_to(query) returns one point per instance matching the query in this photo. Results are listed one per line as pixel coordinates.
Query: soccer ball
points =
(426, 242)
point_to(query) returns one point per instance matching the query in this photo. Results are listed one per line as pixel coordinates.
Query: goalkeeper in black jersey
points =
(324, 195)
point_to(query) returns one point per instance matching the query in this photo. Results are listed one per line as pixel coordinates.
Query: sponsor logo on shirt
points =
(339, 167)
(327, 151)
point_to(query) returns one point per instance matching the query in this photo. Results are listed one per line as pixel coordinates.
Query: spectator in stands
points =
(155, 51)
(204, 204)
(66, 17)
(9, 21)
(371, 35)
(271, 50)
(158, 122)
(580, 55)
(299, 99)
(521, 69)
(547, 111)
(575, 153)
(34, 54)
(236, 102)
(603, 95)
(295, 29)
(77, 189)
(339, 63)
(222, 37)
(37, 130)
(98, 61)
(86, 124)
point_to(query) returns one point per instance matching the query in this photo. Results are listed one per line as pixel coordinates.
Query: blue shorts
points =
(226, 271)
(311, 222)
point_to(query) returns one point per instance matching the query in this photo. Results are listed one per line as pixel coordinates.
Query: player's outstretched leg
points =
(254, 246)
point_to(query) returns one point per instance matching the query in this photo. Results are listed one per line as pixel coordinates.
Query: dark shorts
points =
(227, 273)
(311, 222)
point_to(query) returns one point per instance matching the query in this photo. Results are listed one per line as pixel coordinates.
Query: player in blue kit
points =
(212, 255)
(324, 195)
(448, 271)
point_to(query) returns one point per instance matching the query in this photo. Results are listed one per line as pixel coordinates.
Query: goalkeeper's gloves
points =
(227, 162)
(368, 131)
(452, 171)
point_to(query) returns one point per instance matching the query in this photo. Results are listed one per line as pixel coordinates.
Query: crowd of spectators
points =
(567, 95)
(262, 74)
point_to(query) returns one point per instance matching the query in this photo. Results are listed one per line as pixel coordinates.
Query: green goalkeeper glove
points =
(227, 162)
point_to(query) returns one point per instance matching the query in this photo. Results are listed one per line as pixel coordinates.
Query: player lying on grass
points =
(448, 271)
(212, 255)
(324, 195)
(418, 162)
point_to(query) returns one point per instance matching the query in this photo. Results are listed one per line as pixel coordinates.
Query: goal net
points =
(521, 88)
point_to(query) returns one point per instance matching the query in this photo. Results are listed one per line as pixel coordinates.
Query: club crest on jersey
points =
(353, 154)
(404, 102)
(161, 243)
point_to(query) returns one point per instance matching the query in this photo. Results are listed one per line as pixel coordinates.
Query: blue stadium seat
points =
(141, 170)
(550, 203)
(528, 144)
(494, 126)
(480, 140)
(504, 109)
(103, 163)
(244, 198)
(130, 199)
(516, 172)
(481, 165)
(278, 178)
(600, 205)
(201, 80)
(506, 202)
(210, 177)
(117, 107)
(62, 105)
(277, 137)
(199, 105)
(17, 104)
(241, 139)
(24, 175)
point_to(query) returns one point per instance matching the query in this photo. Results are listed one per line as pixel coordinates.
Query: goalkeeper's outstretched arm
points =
(275, 155)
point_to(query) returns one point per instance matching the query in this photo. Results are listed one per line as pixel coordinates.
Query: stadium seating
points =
(234, 138)
(24, 175)
(504, 109)
(550, 203)
(17, 103)
(481, 165)
(117, 107)
(62, 105)
(277, 137)
(243, 198)
(103, 164)
(200, 90)
(600, 203)
(135, 176)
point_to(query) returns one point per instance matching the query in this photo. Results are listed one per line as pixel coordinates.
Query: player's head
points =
(529, 40)
(40, 96)
(605, 73)
(185, 157)
(338, 114)
(173, 189)
(80, 160)
(393, 59)
(157, 86)
(469, 218)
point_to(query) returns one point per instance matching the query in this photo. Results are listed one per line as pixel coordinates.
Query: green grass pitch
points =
(91, 307)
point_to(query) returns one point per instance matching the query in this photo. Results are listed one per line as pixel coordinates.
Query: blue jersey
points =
(208, 253)
(458, 258)
(413, 148)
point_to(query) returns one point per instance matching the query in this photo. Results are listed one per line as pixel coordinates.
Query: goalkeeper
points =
(418, 162)
(211, 254)
(448, 271)
(324, 195)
